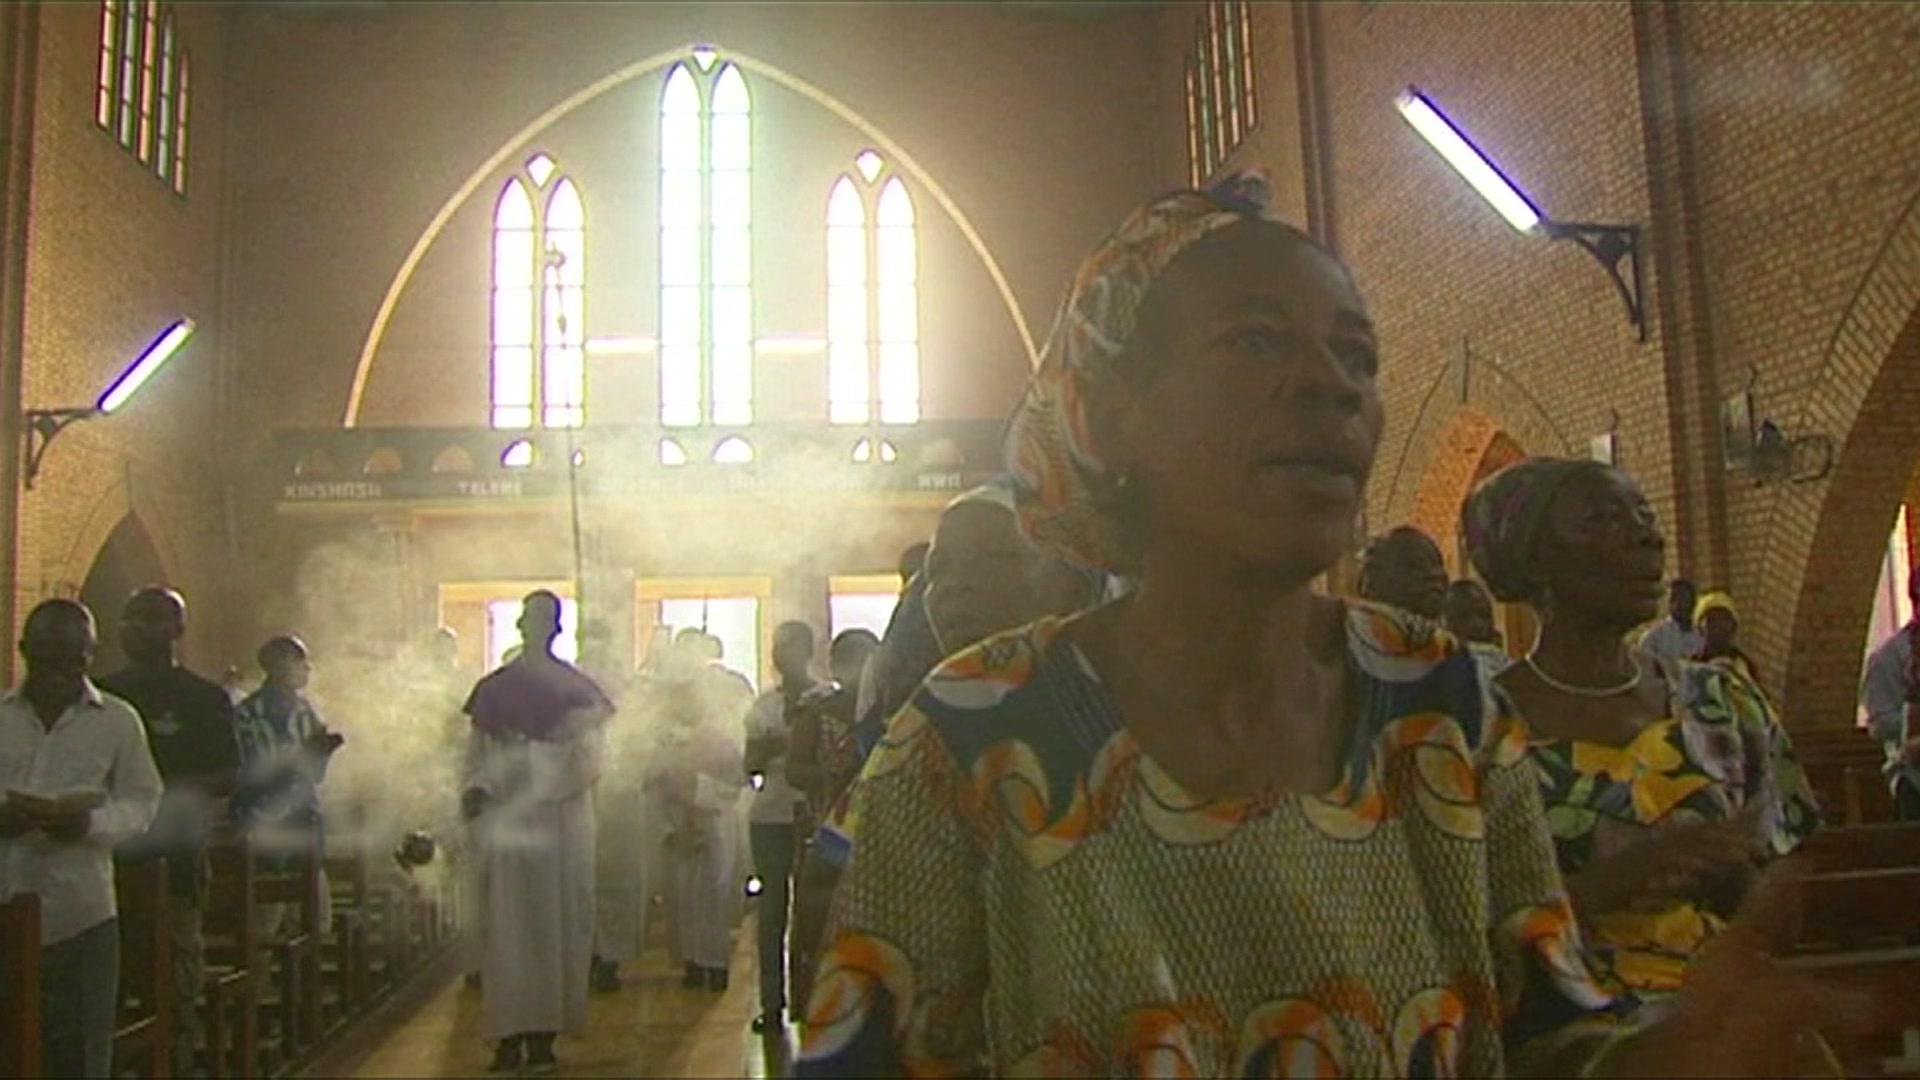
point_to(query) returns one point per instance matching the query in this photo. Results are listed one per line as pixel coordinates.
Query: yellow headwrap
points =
(1712, 601)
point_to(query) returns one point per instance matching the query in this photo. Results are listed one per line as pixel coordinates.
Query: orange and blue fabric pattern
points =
(1029, 893)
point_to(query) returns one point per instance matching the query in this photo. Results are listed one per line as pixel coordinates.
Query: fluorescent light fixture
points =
(142, 369)
(1473, 166)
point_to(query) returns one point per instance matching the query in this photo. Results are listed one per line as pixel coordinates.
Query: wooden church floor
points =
(651, 1027)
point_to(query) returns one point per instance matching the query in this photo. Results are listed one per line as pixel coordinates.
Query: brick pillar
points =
(19, 53)
(1680, 311)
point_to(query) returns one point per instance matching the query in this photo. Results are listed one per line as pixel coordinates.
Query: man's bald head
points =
(151, 625)
(57, 644)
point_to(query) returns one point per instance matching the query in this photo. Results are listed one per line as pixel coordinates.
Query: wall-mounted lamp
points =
(43, 424)
(1765, 450)
(1611, 245)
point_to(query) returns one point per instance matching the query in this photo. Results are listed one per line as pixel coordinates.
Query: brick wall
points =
(113, 256)
(1809, 169)
(1769, 152)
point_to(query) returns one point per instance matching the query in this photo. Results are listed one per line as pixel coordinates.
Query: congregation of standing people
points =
(1123, 788)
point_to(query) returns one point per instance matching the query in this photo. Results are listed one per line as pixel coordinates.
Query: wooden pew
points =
(1843, 765)
(232, 991)
(143, 1034)
(20, 1044)
(295, 945)
(1864, 847)
(345, 960)
(1861, 927)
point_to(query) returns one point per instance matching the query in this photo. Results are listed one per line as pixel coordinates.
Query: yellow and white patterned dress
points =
(1030, 894)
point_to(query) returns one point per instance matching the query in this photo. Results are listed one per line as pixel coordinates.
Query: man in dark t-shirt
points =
(189, 723)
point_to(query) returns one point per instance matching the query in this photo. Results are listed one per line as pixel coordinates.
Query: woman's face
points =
(1253, 437)
(1601, 553)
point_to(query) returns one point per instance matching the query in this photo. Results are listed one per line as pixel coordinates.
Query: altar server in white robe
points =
(533, 757)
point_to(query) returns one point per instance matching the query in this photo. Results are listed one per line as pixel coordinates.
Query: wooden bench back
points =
(20, 986)
(233, 896)
(1862, 909)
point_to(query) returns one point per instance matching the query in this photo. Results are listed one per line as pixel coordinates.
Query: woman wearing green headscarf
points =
(1224, 825)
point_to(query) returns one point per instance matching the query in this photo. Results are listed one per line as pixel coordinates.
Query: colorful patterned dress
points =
(1031, 894)
(1719, 749)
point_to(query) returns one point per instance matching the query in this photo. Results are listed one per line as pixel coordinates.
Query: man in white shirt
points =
(772, 829)
(1675, 637)
(78, 780)
(1890, 692)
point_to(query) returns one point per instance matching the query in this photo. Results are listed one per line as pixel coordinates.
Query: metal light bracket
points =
(42, 425)
(1610, 245)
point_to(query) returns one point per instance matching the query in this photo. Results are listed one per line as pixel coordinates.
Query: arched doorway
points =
(1840, 537)
(127, 561)
(1472, 447)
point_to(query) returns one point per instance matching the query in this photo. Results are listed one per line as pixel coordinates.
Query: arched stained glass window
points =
(873, 298)
(513, 266)
(849, 351)
(539, 299)
(897, 297)
(563, 356)
(706, 245)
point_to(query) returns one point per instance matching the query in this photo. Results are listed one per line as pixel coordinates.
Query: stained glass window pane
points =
(109, 62)
(896, 255)
(732, 316)
(513, 317)
(163, 106)
(540, 167)
(733, 383)
(149, 51)
(514, 210)
(847, 314)
(732, 198)
(847, 378)
(680, 199)
(846, 256)
(181, 114)
(732, 146)
(681, 96)
(730, 92)
(680, 316)
(899, 384)
(899, 313)
(513, 259)
(680, 142)
(129, 49)
(844, 206)
(563, 207)
(732, 257)
(679, 257)
(680, 384)
(896, 206)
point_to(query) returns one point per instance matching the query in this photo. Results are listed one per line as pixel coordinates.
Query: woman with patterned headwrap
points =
(1668, 784)
(1225, 825)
